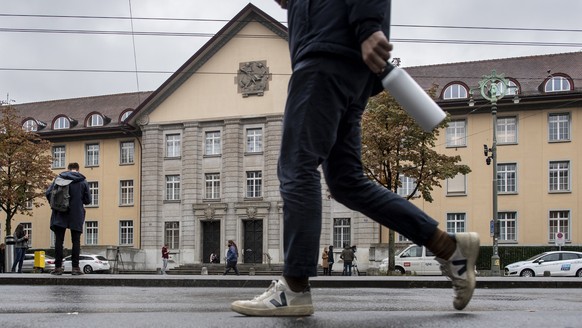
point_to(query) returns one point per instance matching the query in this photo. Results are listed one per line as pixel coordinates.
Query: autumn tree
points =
(394, 146)
(25, 167)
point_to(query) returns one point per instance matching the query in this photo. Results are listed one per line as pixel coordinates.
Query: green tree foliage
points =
(25, 166)
(394, 145)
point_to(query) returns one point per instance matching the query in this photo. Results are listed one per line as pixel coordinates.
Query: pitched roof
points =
(530, 72)
(250, 13)
(79, 109)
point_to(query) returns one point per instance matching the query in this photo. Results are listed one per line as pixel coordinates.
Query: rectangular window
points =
(507, 226)
(172, 187)
(126, 192)
(507, 130)
(58, 157)
(457, 185)
(172, 234)
(92, 155)
(559, 176)
(212, 143)
(456, 134)
(407, 185)
(507, 178)
(254, 184)
(28, 230)
(559, 127)
(126, 232)
(254, 140)
(94, 191)
(127, 152)
(455, 222)
(91, 233)
(173, 145)
(28, 204)
(341, 233)
(559, 222)
(212, 181)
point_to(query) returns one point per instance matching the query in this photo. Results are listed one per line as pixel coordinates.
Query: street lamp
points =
(492, 88)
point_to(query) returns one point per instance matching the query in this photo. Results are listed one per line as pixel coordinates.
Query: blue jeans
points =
(326, 99)
(18, 259)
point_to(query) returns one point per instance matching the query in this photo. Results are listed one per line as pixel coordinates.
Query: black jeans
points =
(60, 239)
(326, 99)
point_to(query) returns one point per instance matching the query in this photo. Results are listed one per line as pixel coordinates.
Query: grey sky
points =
(24, 55)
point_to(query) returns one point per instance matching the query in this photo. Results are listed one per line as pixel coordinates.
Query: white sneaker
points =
(278, 300)
(460, 268)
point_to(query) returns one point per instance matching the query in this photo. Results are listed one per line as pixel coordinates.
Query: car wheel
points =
(399, 270)
(87, 269)
(579, 273)
(527, 273)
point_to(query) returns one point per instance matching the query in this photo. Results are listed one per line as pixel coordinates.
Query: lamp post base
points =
(495, 266)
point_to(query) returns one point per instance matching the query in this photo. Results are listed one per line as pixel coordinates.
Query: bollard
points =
(9, 253)
(204, 271)
(252, 271)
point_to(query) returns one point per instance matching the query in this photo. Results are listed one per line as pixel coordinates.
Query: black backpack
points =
(60, 195)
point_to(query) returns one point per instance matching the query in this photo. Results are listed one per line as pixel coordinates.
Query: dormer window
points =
(512, 88)
(61, 123)
(95, 120)
(30, 126)
(125, 115)
(455, 91)
(557, 84)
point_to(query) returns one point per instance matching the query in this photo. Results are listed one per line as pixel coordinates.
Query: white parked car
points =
(558, 263)
(88, 263)
(415, 260)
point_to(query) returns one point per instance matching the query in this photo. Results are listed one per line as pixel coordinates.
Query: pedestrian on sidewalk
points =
(231, 258)
(165, 258)
(330, 260)
(348, 256)
(20, 247)
(325, 261)
(338, 49)
(72, 219)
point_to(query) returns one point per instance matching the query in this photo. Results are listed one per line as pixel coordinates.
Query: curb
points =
(128, 280)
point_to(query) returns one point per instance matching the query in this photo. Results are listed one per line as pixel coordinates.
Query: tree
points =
(395, 147)
(25, 167)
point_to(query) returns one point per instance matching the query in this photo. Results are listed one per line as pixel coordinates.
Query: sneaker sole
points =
(284, 311)
(473, 243)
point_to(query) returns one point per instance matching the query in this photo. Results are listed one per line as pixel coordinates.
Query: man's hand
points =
(376, 51)
(282, 3)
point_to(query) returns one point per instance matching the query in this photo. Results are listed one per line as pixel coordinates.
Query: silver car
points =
(28, 264)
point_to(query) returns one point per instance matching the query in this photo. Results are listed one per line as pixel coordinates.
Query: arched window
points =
(557, 84)
(61, 123)
(512, 89)
(30, 125)
(455, 91)
(95, 120)
(125, 115)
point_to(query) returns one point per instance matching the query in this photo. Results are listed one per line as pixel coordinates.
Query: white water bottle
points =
(415, 101)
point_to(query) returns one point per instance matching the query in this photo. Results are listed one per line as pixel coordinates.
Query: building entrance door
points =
(211, 240)
(253, 241)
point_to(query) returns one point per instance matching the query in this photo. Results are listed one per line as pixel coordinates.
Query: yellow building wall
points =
(108, 174)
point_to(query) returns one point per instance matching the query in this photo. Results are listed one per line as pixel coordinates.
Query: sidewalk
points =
(232, 281)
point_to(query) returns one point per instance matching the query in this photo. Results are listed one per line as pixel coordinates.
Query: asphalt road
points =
(113, 306)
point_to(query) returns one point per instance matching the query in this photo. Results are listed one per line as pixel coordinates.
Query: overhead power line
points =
(270, 36)
(216, 20)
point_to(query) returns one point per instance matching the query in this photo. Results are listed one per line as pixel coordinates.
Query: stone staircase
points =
(218, 269)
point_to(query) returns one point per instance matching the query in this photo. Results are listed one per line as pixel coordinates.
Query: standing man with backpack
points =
(67, 195)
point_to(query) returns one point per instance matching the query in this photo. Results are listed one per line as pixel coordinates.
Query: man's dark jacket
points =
(336, 27)
(79, 192)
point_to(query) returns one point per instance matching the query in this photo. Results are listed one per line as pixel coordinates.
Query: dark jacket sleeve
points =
(368, 17)
(85, 192)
